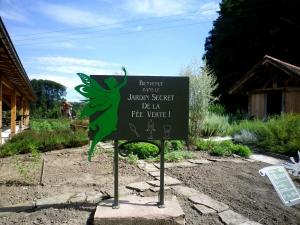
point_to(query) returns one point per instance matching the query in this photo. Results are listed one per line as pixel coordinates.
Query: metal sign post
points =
(161, 201)
(116, 175)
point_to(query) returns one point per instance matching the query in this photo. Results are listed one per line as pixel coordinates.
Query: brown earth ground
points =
(238, 185)
(66, 171)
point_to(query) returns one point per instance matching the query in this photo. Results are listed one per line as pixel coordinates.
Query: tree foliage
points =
(245, 31)
(49, 96)
(202, 86)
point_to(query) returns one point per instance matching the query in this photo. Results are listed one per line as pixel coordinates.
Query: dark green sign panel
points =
(150, 108)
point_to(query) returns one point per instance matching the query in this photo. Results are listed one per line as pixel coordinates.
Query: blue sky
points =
(57, 39)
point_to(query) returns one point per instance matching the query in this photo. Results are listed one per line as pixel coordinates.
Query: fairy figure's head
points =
(111, 82)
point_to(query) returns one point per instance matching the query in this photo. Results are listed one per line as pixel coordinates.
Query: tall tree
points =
(245, 31)
(49, 95)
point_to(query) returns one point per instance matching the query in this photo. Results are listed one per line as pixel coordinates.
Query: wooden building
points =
(15, 89)
(66, 109)
(272, 87)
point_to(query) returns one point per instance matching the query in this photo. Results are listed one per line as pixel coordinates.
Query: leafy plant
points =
(132, 159)
(177, 156)
(223, 149)
(142, 150)
(43, 140)
(174, 145)
(217, 109)
(203, 145)
(214, 124)
(227, 148)
(202, 85)
(245, 137)
(281, 134)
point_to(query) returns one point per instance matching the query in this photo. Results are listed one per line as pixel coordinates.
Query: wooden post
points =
(0, 110)
(13, 112)
(21, 113)
(42, 172)
(27, 114)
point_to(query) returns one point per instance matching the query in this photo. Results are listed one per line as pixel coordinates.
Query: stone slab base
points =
(135, 210)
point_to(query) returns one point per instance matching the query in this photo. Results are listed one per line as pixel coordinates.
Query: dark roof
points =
(11, 66)
(290, 69)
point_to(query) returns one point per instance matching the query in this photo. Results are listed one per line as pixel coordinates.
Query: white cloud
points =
(63, 70)
(209, 9)
(158, 7)
(13, 15)
(139, 28)
(74, 65)
(75, 16)
(66, 44)
(11, 10)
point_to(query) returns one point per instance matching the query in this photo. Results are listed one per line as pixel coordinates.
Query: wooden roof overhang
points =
(12, 72)
(258, 76)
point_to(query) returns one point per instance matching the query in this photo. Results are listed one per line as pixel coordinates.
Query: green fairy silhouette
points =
(105, 101)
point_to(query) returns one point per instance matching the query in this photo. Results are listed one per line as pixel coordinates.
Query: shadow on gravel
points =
(34, 208)
(10, 183)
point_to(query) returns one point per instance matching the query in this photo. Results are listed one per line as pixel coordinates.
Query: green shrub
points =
(281, 134)
(223, 148)
(205, 145)
(214, 124)
(227, 148)
(285, 131)
(173, 151)
(245, 137)
(43, 140)
(177, 156)
(142, 150)
(217, 109)
(241, 150)
(174, 145)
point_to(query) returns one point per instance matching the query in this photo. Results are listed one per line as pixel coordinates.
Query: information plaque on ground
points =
(283, 184)
(151, 108)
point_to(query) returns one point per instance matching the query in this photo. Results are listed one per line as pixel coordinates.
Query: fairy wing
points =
(98, 98)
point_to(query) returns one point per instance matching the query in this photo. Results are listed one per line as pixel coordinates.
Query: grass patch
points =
(49, 124)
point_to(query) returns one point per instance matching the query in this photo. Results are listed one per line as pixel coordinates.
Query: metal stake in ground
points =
(161, 203)
(116, 175)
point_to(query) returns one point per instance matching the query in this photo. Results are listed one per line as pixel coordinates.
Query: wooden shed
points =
(272, 87)
(15, 89)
